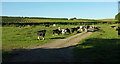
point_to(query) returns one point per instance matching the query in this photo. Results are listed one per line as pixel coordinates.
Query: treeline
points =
(8, 19)
(35, 18)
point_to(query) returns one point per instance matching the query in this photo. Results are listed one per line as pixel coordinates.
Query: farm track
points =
(56, 51)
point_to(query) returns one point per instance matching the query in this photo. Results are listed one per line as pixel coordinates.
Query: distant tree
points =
(73, 18)
(117, 17)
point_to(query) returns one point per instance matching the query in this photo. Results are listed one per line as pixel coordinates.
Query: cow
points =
(86, 28)
(82, 28)
(47, 25)
(57, 31)
(41, 33)
(64, 31)
(113, 26)
(54, 24)
(97, 27)
(68, 30)
(93, 27)
(73, 29)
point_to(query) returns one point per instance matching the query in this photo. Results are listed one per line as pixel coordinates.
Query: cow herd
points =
(60, 31)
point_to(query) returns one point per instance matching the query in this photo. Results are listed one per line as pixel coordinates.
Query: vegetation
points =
(117, 17)
(101, 46)
(19, 38)
(6, 19)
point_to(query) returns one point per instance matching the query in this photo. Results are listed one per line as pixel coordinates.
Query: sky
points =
(84, 10)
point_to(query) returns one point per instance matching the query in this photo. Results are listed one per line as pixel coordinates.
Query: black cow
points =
(74, 29)
(57, 31)
(113, 26)
(47, 25)
(41, 33)
(68, 30)
(87, 27)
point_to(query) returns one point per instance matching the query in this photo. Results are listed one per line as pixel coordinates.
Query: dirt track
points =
(56, 51)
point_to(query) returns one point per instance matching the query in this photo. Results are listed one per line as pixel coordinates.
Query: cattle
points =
(97, 27)
(82, 28)
(64, 31)
(54, 24)
(47, 25)
(73, 29)
(87, 27)
(93, 27)
(41, 33)
(28, 25)
(68, 30)
(57, 31)
(113, 26)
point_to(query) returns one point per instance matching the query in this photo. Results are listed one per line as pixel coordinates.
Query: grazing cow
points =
(59, 28)
(97, 27)
(64, 31)
(87, 26)
(93, 27)
(113, 26)
(82, 28)
(73, 29)
(68, 30)
(54, 24)
(41, 33)
(28, 25)
(57, 31)
(47, 25)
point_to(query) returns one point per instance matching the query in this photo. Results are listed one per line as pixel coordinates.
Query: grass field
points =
(15, 38)
(101, 46)
(39, 20)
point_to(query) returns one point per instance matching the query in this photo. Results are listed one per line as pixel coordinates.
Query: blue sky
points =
(85, 10)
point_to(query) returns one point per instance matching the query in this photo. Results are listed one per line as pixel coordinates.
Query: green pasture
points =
(39, 20)
(101, 46)
(19, 38)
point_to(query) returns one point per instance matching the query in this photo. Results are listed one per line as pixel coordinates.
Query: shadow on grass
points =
(58, 38)
(98, 50)
(91, 50)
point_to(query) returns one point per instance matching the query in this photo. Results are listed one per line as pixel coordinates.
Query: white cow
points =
(93, 27)
(82, 28)
(54, 24)
(64, 31)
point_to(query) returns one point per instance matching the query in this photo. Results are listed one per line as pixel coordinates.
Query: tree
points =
(117, 17)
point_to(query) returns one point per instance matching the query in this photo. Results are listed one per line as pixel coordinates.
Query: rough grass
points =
(15, 38)
(101, 46)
